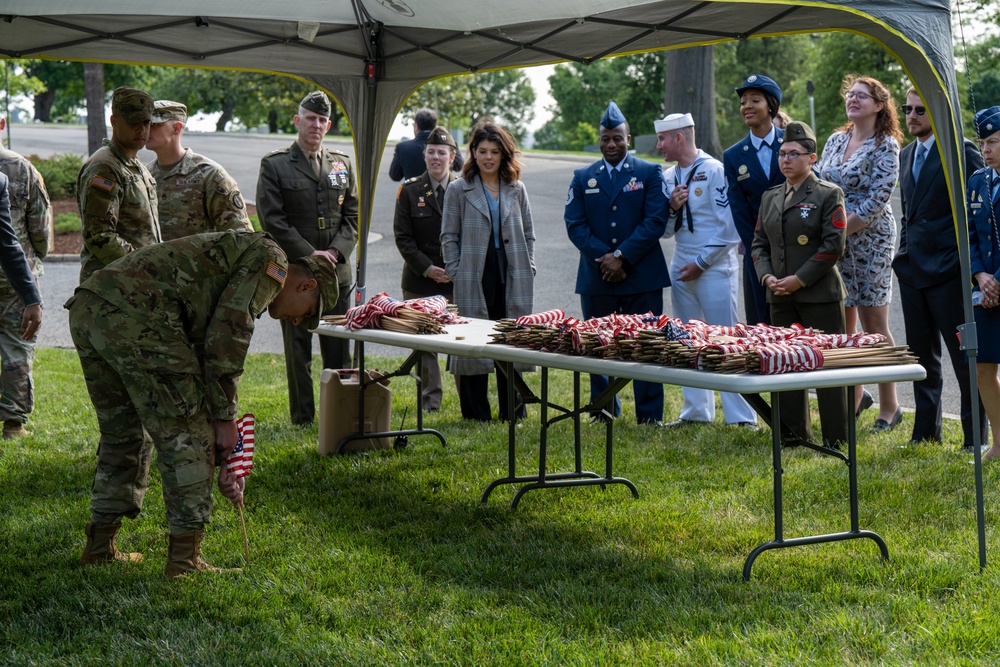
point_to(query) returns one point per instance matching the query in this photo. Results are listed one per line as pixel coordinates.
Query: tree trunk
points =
(226, 117)
(272, 121)
(43, 106)
(93, 80)
(690, 88)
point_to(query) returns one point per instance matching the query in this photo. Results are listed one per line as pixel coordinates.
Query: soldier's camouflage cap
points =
(441, 136)
(132, 105)
(317, 102)
(166, 110)
(325, 274)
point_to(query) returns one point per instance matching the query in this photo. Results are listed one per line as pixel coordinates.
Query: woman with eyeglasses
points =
(799, 238)
(862, 157)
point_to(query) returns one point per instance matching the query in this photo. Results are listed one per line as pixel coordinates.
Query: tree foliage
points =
(64, 91)
(582, 93)
(506, 96)
(984, 90)
(247, 98)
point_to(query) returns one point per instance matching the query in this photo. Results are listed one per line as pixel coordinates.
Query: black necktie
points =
(440, 195)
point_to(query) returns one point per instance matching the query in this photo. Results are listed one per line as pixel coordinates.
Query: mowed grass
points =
(388, 558)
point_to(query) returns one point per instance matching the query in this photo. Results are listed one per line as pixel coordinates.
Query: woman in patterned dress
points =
(862, 157)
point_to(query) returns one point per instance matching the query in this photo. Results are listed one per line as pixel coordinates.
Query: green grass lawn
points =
(388, 558)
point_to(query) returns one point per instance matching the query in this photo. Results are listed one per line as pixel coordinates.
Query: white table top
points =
(472, 340)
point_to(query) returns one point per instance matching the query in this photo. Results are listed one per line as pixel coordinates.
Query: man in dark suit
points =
(930, 281)
(417, 228)
(751, 166)
(408, 159)
(615, 216)
(307, 199)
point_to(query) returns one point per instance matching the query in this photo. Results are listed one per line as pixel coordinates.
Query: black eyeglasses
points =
(907, 110)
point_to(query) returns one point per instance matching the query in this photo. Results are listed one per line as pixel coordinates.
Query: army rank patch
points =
(102, 183)
(839, 220)
(275, 271)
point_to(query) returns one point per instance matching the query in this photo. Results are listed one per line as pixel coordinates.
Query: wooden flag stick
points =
(246, 542)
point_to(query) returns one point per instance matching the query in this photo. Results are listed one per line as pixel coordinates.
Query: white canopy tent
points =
(371, 54)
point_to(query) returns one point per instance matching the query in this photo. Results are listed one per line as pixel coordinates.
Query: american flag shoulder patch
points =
(102, 183)
(275, 271)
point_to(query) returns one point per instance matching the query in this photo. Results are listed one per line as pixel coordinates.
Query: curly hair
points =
(887, 120)
(510, 167)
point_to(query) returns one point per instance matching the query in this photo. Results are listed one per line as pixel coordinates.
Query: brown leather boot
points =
(184, 556)
(14, 429)
(101, 546)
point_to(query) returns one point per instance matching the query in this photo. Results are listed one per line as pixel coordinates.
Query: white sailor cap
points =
(674, 121)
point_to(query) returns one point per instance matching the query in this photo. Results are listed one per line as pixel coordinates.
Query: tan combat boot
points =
(101, 546)
(14, 429)
(184, 556)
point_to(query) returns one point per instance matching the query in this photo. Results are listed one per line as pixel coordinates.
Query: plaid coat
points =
(465, 233)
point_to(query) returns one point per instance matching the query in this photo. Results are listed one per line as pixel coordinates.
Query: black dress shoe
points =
(866, 402)
(749, 426)
(601, 418)
(882, 426)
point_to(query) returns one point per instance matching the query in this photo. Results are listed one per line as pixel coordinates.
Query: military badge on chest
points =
(805, 209)
(338, 174)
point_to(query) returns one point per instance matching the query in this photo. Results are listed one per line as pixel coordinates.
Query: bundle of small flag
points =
(666, 340)
(426, 315)
(240, 462)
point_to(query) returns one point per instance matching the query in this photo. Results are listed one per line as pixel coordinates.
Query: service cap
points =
(799, 131)
(325, 274)
(166, 110)
(132, 105)
(760, 82)
(987, 121)
(674, 121)
(441, 136)
(613, 117)
(317, 102)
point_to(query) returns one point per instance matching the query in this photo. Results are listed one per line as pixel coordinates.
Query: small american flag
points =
(240, 462)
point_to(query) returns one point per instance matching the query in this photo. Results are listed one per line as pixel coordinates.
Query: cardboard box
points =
(338, 411)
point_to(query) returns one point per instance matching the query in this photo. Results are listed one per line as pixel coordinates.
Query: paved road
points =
(547, 178)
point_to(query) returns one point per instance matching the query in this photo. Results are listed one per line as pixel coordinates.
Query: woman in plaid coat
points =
(487, 241)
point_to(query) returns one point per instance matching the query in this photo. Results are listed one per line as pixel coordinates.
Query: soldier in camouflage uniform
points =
(195, 195)
(162, 336)
(116, 194)
(31, 218)
(308, 199)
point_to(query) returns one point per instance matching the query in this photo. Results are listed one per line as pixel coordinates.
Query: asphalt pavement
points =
(546, 177)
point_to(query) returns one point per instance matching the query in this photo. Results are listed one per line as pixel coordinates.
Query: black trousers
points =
(929, 315)
(336, 353)
(472, 389)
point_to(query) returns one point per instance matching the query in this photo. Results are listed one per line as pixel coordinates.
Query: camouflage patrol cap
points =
(317, 102)
(132, 105)
(441, 136)
(165, 110)
(325, 274)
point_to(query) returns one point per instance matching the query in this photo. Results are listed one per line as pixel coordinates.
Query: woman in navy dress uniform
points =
(983, 199)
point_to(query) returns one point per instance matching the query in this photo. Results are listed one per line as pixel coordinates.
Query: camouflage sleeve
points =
(225, 205)
(38, 216)
(347, 235)
(101, 194)
(253, 285)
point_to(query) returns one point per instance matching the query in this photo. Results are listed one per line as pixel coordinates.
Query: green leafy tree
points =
(834, 55)
(460, 101)
(582, 93)
(984, 90)
(781, 58)
(249, 98)
(64, 91)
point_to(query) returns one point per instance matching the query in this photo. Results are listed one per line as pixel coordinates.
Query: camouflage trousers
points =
(148, 391)
(17, 390)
